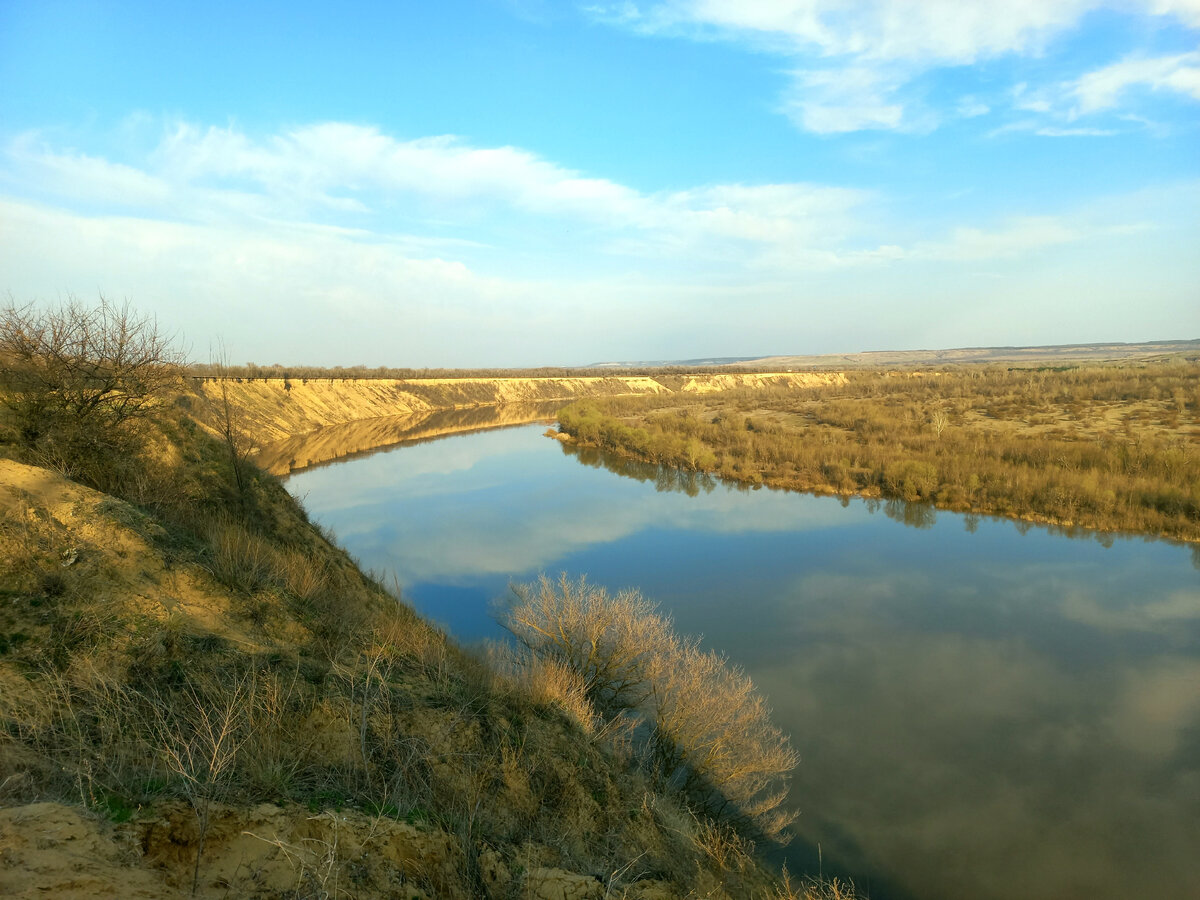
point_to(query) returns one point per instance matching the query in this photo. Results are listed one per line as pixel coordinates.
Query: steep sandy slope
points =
(273, 409)
(362, 436)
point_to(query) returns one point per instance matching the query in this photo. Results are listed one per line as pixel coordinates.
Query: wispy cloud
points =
(833, 101)
(438, 242)
(1075, 132)
(1017, 238)
(1059, 106)
(972, 107)
(355, 176)
(1104, 88)
(342, 181)
(1038, 127)
(851, 63)
(945, 31)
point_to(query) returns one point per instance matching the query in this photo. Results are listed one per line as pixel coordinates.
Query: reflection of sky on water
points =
(507, 504)
(986, 714)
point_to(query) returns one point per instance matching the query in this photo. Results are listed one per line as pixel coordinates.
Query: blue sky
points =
(527, 183)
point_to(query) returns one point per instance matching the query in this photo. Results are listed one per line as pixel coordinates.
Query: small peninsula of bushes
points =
(1109, 447)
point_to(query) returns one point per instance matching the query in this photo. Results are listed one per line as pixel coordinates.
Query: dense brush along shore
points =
(1105, 447)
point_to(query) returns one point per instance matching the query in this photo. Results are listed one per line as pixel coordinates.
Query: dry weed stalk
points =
(316, 862)
(199, 740)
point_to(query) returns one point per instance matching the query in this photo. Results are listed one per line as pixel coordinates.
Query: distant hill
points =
(1055, 353)
(663, 363)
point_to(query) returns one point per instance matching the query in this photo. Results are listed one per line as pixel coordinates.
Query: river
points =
(983, 708)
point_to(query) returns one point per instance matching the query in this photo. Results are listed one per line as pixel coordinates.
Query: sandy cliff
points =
(274, 409)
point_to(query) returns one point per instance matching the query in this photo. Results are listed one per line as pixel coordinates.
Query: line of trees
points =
(254, 372)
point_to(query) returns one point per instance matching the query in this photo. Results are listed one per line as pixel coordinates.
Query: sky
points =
(526, 183)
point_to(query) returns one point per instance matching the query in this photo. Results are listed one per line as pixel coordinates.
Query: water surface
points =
(982, 710)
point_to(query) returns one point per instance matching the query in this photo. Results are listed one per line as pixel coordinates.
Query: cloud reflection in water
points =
(982, 710)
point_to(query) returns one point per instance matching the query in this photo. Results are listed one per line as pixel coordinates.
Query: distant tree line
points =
(254, 372)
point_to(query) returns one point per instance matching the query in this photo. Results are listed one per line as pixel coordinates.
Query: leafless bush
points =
(229, 424)
(713, 737)
(707, 731)
(199, 734)
(75, 379)
(607, 641)
(546, 682)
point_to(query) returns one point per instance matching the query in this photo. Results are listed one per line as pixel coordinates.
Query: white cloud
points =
(496, 253)
(1036, 101)
(833, 101)
(945, 31)
(1017, 238)
(971, 107)
(764, 214)
(1075, 132)
(1103, 88)
(314, 183)
(324, 164)
(1187, 11)
(354, 176)
(1036, 126)
(86, 178)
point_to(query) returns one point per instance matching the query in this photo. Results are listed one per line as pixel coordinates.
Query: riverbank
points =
(201, 695)
(269, 410)
(1106, 448)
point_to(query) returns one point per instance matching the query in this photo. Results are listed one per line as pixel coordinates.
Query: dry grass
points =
(815, 889)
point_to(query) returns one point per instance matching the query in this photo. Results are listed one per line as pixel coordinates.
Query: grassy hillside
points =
(1052, 355)
(200, 694)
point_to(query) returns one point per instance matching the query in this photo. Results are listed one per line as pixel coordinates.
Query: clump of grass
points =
(240, 559)
(814, 888)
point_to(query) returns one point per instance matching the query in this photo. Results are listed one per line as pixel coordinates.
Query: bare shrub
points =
(230, 426)
(707, 731)
(547, 682)
(605, 640)
(713, 738)
(76, 379)
(199, 734)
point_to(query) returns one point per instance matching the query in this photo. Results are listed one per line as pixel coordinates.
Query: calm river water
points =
(982, 710)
